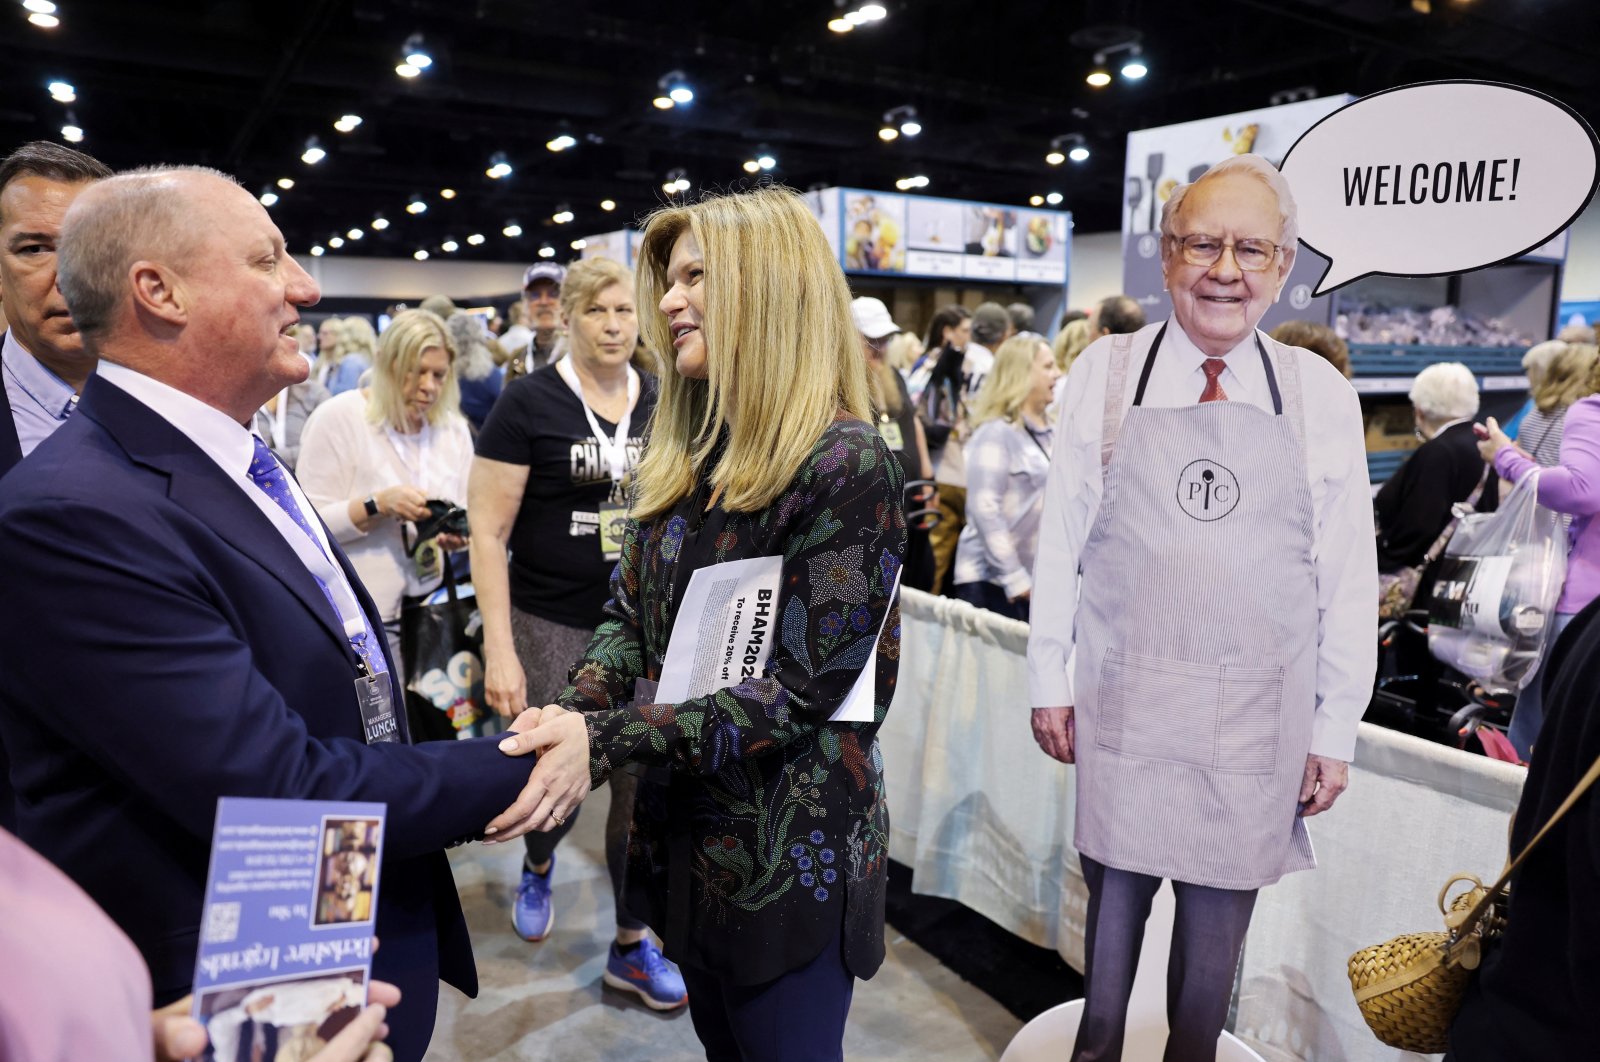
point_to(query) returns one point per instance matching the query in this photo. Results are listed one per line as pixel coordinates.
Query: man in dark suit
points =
(42, 361)
(177, 626)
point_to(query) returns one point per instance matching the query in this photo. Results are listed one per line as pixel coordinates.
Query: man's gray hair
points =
(1445, 391)
(1257, 167)
(139, 214)
(990, 323)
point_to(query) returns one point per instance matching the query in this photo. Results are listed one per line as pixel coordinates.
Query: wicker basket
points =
(1410, 988)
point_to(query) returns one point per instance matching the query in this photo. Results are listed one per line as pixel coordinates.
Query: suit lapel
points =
(10, 445)
(196, 483)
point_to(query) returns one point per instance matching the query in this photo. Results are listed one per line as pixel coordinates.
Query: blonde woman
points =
(759, 840)
(353, 355)
(1008, 459)
(1072, 340)
(1566, 378)
(371, 458)
(552, 462)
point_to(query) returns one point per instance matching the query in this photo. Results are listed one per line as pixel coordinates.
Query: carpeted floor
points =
(546, 1001)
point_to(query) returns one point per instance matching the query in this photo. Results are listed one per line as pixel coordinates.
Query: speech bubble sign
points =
(1437, 178)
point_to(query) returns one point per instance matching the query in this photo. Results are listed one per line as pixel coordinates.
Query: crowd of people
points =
(214, 515)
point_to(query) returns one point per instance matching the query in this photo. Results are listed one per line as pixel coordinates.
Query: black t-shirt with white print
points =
(558, 571)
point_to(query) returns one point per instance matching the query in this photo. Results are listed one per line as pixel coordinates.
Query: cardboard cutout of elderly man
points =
(1208, 668)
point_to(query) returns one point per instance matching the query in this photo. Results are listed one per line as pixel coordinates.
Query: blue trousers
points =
(798, 1017)
(1527, 715)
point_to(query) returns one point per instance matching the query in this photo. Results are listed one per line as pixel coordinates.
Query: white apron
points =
(1197, 637)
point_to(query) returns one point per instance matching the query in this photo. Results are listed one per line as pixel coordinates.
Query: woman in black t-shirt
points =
(547, 480)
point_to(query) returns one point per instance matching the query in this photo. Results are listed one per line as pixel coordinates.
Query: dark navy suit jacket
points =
(10, 454)
(163, 646)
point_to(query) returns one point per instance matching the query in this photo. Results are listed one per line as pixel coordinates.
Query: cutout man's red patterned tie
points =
(1213, 367)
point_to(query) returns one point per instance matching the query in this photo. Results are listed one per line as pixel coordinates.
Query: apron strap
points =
(1290, 400)
(1116, 384)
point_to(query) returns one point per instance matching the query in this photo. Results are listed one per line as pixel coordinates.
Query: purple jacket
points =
(1571, 486)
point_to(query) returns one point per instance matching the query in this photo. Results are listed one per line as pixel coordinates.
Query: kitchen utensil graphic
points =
(1197, 172)
(1135, 197)
(1152, 169)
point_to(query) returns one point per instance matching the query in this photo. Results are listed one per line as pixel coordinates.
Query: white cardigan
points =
(343, 457)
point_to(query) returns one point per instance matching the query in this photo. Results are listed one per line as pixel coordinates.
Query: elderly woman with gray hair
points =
(1415, 504)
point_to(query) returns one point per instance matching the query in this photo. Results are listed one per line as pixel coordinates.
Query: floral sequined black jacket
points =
(761, 830)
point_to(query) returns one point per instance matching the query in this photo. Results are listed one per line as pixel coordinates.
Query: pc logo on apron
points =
(1207, 491)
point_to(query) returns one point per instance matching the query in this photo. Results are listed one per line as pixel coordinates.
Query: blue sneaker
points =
(648, 974)
(533, 915)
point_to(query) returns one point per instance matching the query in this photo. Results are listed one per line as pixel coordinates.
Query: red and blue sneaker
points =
(533, 915)
(648, 974)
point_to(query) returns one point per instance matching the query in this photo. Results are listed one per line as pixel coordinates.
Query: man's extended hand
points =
(178, 1036)
(1056, 732)
(560, 779)
(1325, 779)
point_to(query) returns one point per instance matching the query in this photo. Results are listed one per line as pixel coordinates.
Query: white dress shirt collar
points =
(1244, 379)
(52, 394)
(227, 442)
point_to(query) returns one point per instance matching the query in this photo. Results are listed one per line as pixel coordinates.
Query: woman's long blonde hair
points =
(783, 356)
(1073, 339)
(1572, 374)
(399, 355)
(1006, 387)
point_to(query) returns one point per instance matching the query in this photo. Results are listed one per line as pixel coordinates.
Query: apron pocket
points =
(1212, 718)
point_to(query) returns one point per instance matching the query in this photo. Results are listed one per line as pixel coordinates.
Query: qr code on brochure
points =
(222, 923)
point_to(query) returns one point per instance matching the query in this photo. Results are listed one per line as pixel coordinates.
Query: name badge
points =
(428, 560)
(892, 435)
(376, 699)
(613, 524)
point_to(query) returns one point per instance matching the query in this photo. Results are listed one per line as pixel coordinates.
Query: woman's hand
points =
(451, 543)
(560, 779)
(1491, 440)
(403, 503)
(505, 684)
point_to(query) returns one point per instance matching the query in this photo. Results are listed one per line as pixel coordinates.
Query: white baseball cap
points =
(872, 318)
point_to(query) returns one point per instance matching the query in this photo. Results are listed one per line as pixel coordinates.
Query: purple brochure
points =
(286, 932)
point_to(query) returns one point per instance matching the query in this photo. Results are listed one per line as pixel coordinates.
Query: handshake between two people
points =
(560, 778)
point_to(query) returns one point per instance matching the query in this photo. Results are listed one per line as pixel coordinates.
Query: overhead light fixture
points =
(1054, 199)
(420, 255)
(39, 7)
(379, 223)
(1055, 158)
(560, 143)
(547, 251)
(752, 166)
(872, 12)
(313, 153)
(1036, 200)
(888, 133)
(449, 246)
(578, 245)
(1067, 146)
(859, 17)
(447, 193)
(286, 183)
(416, 206)
(677, 181)
(498, 166)
(563, 215)
(1133, 65)
(475, 239)
(72, 132)
(608, 205)
(268, 198)
(674, 90)
(900, 121)
(416, 52)
(407, 70)
(1099, 78)
(355, 234)
(512, 230)
(317, 250)
(63, 92)
(347, 123)
(906, 184)
(841, 25)
(336, 242)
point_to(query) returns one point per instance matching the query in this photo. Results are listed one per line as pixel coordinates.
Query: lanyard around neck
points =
(615, 450)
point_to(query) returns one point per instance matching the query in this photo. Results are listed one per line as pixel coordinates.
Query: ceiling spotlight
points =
(1055, 158)
(1080, 153)
(407, 70)
(40, 7)
(901, 119)
(674, 90)
(336, 242)
(905, 184)
(766, 162)
(347, 123)
(608, 205)
(872, 12)
(286, 183)
(560, 143)
(475, 239)
(1067, 146)
(416, 206)
(447, 193)
(1054, 199)
(677, 181)
(663, 103)
(43, 20)
(420, 255)
(841, 25)
(379, 223)
(1134, 68)
(1036, 200)
(854, 18)
(317, 250)
(1099, 78)
(313, 153)
(578, 245)
(62, 91)
(512, 229)
(72, 133)
(563, 215)
(355, 234)
(911, 128)
(498, 166)
(888, 133)
(449, 246)
(416, 52)
(268, 198)
(547, 251)
(752, 166)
